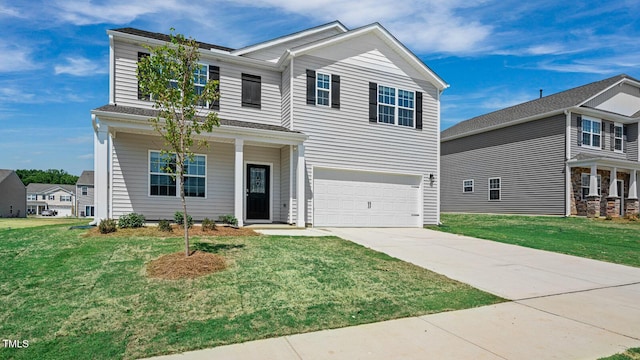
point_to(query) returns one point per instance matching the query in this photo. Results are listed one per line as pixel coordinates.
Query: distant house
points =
(84, 195)
(56, 197)
(553, 155)
(12, 195)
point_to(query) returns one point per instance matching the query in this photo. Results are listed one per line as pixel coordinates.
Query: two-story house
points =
(85, 195)
(324, 127)
(12, 195)
(571, 153)
(56, 197)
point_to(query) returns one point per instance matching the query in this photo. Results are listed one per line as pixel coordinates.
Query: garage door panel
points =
(358, 198)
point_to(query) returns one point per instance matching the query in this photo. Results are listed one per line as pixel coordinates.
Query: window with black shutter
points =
(141, 94)
(323, 89)
(214, 75)
(251, 90)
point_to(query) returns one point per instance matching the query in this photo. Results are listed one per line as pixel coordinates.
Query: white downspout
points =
(438, 174)
(567, 169)
(112, 72)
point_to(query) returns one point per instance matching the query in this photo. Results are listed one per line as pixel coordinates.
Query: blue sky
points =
(54, 54)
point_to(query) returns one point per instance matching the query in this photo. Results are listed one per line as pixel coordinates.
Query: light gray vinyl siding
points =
(84, 200)
(273, 53)
(126, 87)
(13, 197)
(624, 88)
(605, 137)
(286, 97)
(131, 179)
(632, 142)
(344, 138)
(528, 158)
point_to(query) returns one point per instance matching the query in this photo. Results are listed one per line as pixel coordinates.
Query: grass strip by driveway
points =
(19, 223)
(616, 241)
(631, 354)
(74, 296)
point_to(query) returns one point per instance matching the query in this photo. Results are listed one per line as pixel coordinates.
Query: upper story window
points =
(200, 76)
(84, 190)
(251, 90)
(618, 137)
(323, 89)
(495, 188)
(52, 197)
(467, 186)
(591, 133)
(65, 198)
(163, 183)
(395, 106)
(32, 197)
(585, 184)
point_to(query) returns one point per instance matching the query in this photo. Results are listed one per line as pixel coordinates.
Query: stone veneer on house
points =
(579, 205)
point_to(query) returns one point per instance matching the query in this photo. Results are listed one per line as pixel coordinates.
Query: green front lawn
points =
(631, 354)
(74, 296)
(614, 241)
(19, 223)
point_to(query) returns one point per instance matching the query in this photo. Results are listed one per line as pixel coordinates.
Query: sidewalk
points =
(564, 308)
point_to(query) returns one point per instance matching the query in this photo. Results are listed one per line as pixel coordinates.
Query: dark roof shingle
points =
(165, 37)
(86, 178)
(558, 101)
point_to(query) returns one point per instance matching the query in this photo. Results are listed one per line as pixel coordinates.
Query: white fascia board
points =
(606, 162)
(213, 54)
(603, 115)
(140, 123)
(617, 83)
(269, 43)
(387, 37)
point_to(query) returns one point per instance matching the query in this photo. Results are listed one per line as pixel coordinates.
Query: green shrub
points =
(178, 217)
(165, 225)
(228, 219)
(208, 224)
(107, 226)
(132, 220)
(608, 217)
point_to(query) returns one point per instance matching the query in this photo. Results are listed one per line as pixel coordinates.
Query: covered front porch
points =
(603, 187)
(254, 172)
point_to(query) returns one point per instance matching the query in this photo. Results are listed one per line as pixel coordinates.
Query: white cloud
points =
(80, 12)
(6, 11)
(15, 58)
(86, 156)
(15, 93)
(79, 66)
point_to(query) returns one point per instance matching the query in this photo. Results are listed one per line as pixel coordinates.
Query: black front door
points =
(258, 192)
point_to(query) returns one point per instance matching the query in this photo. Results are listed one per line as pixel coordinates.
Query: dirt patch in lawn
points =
(177, 266)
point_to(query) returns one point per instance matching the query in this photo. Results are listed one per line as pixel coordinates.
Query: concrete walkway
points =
(563, 307)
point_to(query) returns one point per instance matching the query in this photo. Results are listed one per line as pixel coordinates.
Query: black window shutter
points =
(612, 139)
(214, 74)
(373, 102)
(418, 110)
(251, 91)
(335, 91)
(579, 122)
(602, 136)
(311, 87)
(141, 95)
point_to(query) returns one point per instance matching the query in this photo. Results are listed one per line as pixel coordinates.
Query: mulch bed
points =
(195, 230)
(177, 266)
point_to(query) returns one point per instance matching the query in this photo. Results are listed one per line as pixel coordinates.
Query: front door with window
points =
(258, 206)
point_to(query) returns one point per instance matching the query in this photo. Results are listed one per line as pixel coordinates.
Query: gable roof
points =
(386, 36)
(86, 178)
(4, 173)
(557, 102)
(167, 38)
(282, 39)
(37, 188)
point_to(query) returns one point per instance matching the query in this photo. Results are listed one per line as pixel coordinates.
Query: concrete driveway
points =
(563, 307)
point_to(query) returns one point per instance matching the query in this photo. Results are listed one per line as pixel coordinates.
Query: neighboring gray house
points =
(57, 197)
(554, 155)
(85, 195)
(13, 195)
(324, 127)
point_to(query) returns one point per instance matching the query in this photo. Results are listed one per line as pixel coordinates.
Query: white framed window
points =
(396, 106)
(467, 186)
(52, 197)
(591, 133)
(618, 138)
(163, 183)
(495, 189)
(65, 198)
(585, 179)
(84, 190)
(200, 77)
(32, 197)
(323, 89)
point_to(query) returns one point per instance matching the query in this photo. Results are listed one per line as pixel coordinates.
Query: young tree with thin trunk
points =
(169, 76)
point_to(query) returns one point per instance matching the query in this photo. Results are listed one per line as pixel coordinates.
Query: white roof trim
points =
(386, 36)
(274, 42)
(617, 83)
(608, 162)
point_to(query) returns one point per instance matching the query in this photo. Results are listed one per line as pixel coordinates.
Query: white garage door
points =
(365, 199)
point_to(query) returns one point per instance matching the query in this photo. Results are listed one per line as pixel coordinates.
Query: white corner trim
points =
(112, 71)
(438, 172)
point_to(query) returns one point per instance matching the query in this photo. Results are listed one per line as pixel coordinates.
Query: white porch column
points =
(238, 210)
(300, 182)
(613, 183)
(101, 171)
(633, 189)
(593, 181)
